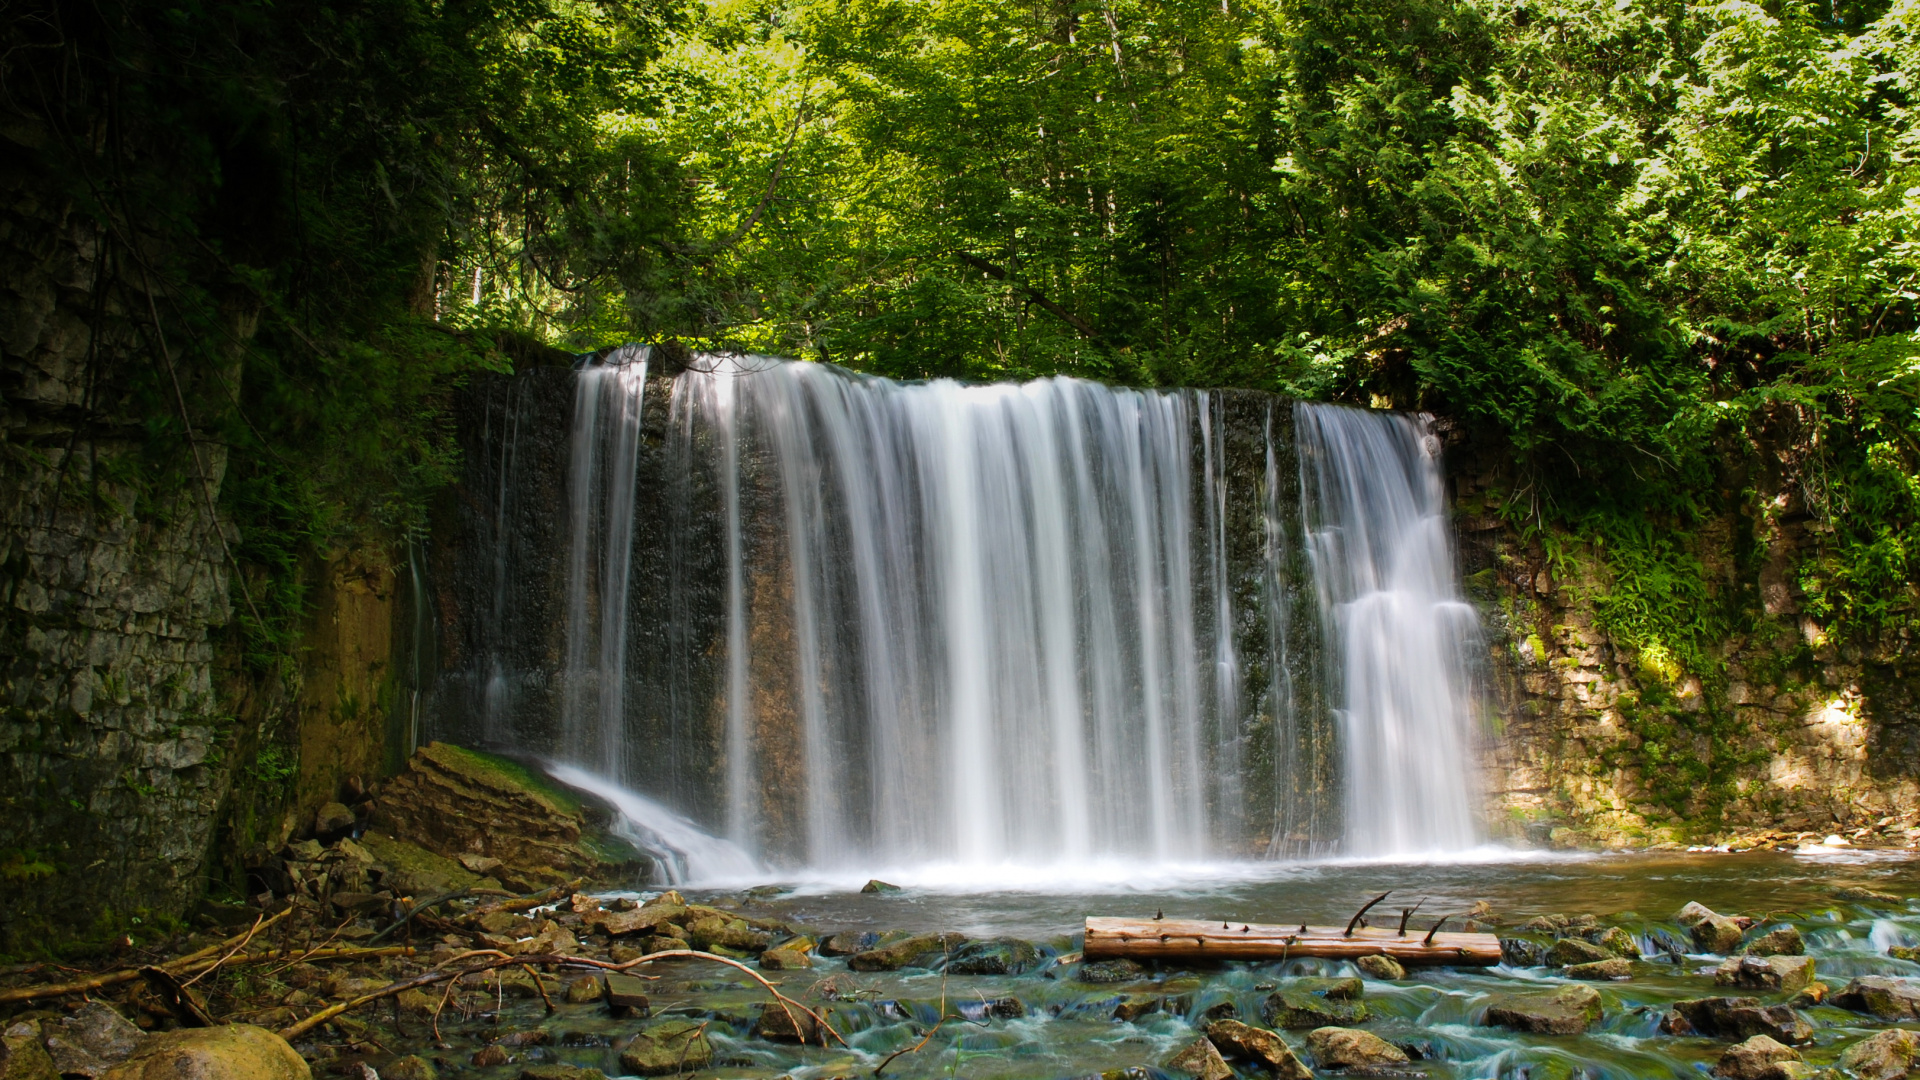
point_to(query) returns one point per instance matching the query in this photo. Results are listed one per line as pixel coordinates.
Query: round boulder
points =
(230, 1052)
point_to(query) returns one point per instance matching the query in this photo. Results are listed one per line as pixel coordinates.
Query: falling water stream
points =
(1046, 623)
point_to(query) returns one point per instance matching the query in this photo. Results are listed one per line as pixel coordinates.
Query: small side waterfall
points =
(837, 621)
(1403, 639)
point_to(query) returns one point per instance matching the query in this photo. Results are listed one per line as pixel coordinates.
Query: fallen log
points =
(1187, 940)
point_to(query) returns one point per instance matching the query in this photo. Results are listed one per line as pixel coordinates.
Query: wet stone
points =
(1347, 1048)
(1110, 971)
(1134, 1006)
(1884, 996)
(1000, 956)
(1201, 1059)
(1382, 967)
(876, 887)
(1787, 974)
(1617, 941)
(1244, 1042)
(789, 957)
(908, 952)
(849, 943)
(1856, 894)
(1779, 941)
(1568, 1010)
(1569, 951)
(1522, 952)
(1759, 1058)
(1737, 1018)
(1888, 1055)
(1316, 1003)
(671, 1047)
(22, 1057)
(1601, 970)
(780, 1022)
(627, 995)
(585, 990)
(410, 1067)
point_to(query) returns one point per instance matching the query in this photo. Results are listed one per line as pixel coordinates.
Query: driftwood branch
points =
(114, 978)
(501, 960)
(1358, 915)
(1186, 941)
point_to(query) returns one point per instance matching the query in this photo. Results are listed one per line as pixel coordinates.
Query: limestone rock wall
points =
(1587, 745)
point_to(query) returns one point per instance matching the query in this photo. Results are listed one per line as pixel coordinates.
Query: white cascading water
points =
(1004, 629)
(1403, 640)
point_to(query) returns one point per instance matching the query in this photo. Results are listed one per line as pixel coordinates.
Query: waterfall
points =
(1403, 640)
(837, 621)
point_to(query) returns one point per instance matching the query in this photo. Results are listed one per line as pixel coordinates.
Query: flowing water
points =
(1069, 1027)
(844, 621)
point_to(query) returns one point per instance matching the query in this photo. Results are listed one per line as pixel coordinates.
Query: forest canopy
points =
(1639, 246)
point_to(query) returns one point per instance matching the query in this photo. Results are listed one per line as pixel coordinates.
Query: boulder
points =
(876, 887)
(1566, 1010)
(1779, 941)
(1888, 1055)
(1000, 956)
(1521, 952)
(780, 1022)
(1304, 1004)
(1201, 1060)
(90, 1041)
(1759, 1058)
(902, 953)
(1856, 894)
(1348, 1048)
(1737, 1018)
(229, 1052)
(1617, 941)
(585, 990)
(1110, 971)
(333, 821)
(1569, 951)
(1779, 974)
(1712, 932)
(711, 932)
(641, 920)
(1884, 996)
(627, 995)
(410, 1067)
(849, 943)
(22, 1057)
(1247, 1043)
(1134, 1006)
(1382, 967)
(411, 870)
(672, 1047)
(790, 956)
(1601, 970)
(454, 801)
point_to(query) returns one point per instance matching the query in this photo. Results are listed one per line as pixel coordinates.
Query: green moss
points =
(505, 773)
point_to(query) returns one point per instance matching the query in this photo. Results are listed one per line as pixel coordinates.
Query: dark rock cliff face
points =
(112, 594)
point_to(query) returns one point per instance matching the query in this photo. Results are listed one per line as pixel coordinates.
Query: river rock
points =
(1110, 971)
(671, 1047)
(90, 1041)
(333, 821)
(1202, 1060)
(788, 956)
(1522, 952)
(1382, 967)
(1779, 941)
(410, 1067)
(1348, 1048)
(876, 887)
(627, 995)
(641, 920)
(22, 1057)
(1759, 1058)
(1569, 951)
(780, 1022)
(711, 932)
(585, 990)
(1884, 996)
(1566, 1010)
(1248, 1043)
(1786, 974)
(1617, 941)
(228, 1052)
(552, 1072)
(1857, 894)
(1303, 1004)
(1000, 956)
(902, 953)
(1887, 1056)
(1737, 1018)
(849, 943)
(1601, 970)
(1134, 1006)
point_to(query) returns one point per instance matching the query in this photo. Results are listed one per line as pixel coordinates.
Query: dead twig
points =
(1355, 921)
(216, 966)
(114, 978)
(528, 968)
